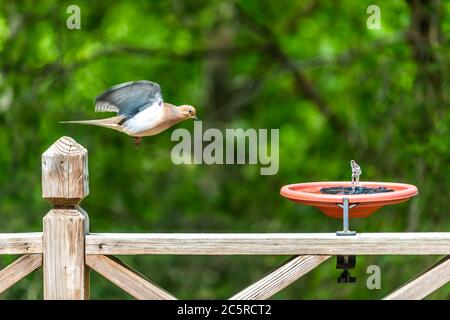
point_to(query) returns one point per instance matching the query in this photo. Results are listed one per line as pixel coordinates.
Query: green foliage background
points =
(335, 89)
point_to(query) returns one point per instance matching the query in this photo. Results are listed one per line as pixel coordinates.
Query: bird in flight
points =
(140, 110)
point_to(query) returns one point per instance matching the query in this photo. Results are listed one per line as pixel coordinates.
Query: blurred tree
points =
(335, 89)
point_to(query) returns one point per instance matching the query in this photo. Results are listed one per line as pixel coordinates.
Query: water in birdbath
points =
(355, 188)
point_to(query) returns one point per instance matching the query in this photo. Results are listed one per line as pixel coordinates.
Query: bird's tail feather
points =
(94, 122)
(112, 123)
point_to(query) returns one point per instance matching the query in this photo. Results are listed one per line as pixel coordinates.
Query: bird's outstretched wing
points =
(129, 98)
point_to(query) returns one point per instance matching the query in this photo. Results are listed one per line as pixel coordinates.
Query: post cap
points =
(65, 178)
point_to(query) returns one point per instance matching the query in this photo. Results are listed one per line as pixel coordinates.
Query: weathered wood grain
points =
(280, 278)
(19, 269)
(64, 184)
(434, 243)
(424, 284)
(126, 278)
(65, 172)
(271, 243)
(20, 243)
(66, 276)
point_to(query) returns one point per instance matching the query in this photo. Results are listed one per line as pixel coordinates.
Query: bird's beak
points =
(195, 117)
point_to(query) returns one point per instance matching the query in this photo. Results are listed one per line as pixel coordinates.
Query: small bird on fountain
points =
(140, 110)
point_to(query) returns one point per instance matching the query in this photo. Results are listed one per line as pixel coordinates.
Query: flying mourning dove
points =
(140, 110)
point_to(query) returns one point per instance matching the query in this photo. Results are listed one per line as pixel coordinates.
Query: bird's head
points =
(188, 112)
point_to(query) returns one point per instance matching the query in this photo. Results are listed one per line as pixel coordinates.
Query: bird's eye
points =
(190, 111)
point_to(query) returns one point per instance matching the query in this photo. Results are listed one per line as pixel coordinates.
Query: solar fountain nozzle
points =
(356, 172)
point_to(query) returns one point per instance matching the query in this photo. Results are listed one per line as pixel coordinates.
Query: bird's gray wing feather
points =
(129, 98)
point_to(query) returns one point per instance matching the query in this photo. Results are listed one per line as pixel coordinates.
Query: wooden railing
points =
(67, 250)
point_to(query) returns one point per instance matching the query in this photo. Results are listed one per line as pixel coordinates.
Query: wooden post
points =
(65, 184)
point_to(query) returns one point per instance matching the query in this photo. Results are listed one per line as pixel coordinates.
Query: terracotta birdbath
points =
(345, 200)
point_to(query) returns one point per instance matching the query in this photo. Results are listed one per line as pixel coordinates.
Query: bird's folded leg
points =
(137, 141)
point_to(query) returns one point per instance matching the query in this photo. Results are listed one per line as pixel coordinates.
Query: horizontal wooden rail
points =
(423, 243)
(20, 243)
(420, 243)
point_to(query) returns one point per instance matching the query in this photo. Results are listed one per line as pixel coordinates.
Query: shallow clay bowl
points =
(366, 204)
